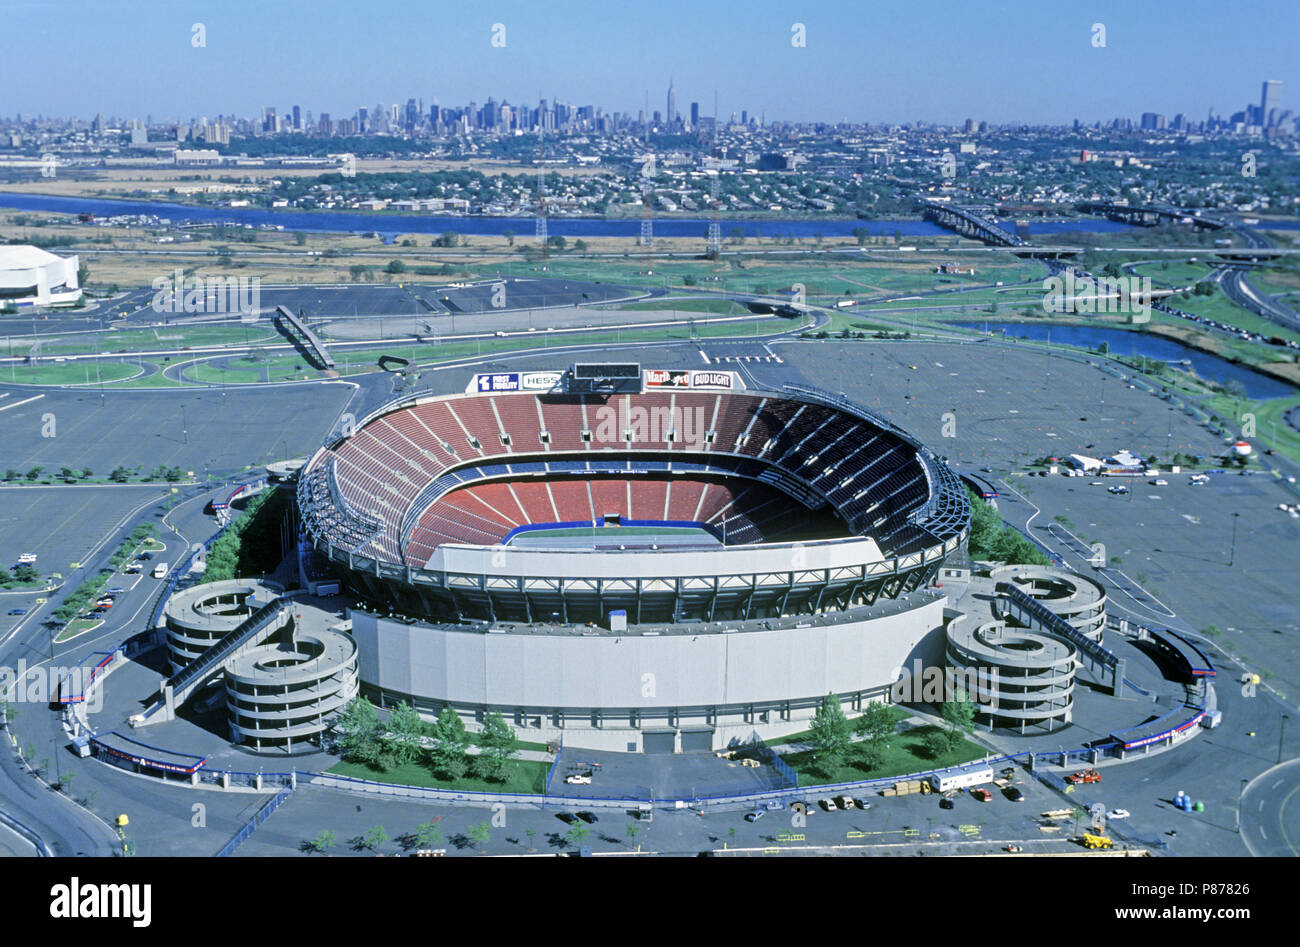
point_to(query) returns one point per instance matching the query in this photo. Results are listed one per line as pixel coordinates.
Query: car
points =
(17, 611)
(1014, 793)
(845, 803)
(1083, 776)
(115, 590)
(755, 815)
(146, 556)
(1117, 814)
(946, 803)
(1098, 483)
(1158, 483)
(27, 558)
(802, 808)
(826, 804)
(982, 795)
(133, 569)
(578, 779)
(588, 817)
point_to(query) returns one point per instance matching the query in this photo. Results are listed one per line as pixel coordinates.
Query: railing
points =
(258, 818)
(222, 649)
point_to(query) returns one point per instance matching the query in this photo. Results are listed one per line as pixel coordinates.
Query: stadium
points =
(644, 561)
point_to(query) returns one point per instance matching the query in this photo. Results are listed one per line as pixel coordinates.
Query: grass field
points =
(135, 340)
(906, 756)
(76, 373)
(720, 307)
(523, 776)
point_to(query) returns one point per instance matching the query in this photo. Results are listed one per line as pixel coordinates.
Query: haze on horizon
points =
(942, 62)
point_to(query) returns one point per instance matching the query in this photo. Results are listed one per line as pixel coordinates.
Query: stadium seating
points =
(488, 451)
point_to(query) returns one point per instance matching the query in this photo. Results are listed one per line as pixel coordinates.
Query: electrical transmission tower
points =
(714, 248)
(715, 226)
(647, 189)
(541, 184)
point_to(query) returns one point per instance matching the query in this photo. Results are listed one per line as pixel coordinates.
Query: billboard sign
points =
(540, 381)
(489, 383)
(712, 380)
(663, 378)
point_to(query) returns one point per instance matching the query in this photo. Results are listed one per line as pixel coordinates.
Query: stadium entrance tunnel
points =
(393, 363)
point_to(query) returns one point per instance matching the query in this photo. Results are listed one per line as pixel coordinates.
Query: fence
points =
(258, 818)
(42, 850)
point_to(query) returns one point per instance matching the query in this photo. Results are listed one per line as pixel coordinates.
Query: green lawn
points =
(523, 776)
(721, 307)
(1270, 424)
(73, 373)
(134, 340)
(906, 756)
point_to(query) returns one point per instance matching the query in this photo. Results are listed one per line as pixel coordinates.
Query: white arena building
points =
(30, 276)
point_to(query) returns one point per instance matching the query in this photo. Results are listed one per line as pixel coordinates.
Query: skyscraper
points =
(695, 115)
(1270, 97)
(672, 104)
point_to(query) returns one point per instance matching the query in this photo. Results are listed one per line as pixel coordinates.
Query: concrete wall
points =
(710, 678)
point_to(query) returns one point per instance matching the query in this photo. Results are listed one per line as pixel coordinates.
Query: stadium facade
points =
(634, 560)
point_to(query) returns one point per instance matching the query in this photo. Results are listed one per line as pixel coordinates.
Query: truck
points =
(951, 779)
(1083, 776)
(160, 570)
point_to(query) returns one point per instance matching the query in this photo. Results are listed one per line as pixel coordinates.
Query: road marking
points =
(18, 404)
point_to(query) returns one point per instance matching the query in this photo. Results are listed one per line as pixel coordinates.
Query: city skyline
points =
(853, 68)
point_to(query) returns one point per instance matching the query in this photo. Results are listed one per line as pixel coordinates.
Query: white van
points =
(160, 570)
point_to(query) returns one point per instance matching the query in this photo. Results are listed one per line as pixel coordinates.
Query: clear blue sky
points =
(939, 61)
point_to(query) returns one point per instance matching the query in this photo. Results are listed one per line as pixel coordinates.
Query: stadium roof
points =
(25, 257)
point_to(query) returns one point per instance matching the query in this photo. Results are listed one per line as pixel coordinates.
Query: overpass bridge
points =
(969, 224)
(299, 331)
(1148, 215)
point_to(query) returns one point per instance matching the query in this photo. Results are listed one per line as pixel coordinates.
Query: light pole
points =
(1281, 735)
(1232, 554)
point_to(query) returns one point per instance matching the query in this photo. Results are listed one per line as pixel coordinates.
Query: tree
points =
(577, 834)
(34, 473)
(450, 742)
(300, 238)
(375, 836)
(361, 731)
(958, 713)
(428, 834)
(510, 237)
(497, 744)
(404, 731)
(830, 733)
(633, 829)
(557, 242)
(877, 725)
(323, 842)
(479, 833)
(395, 266)
(119, 475)
(532, 835)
